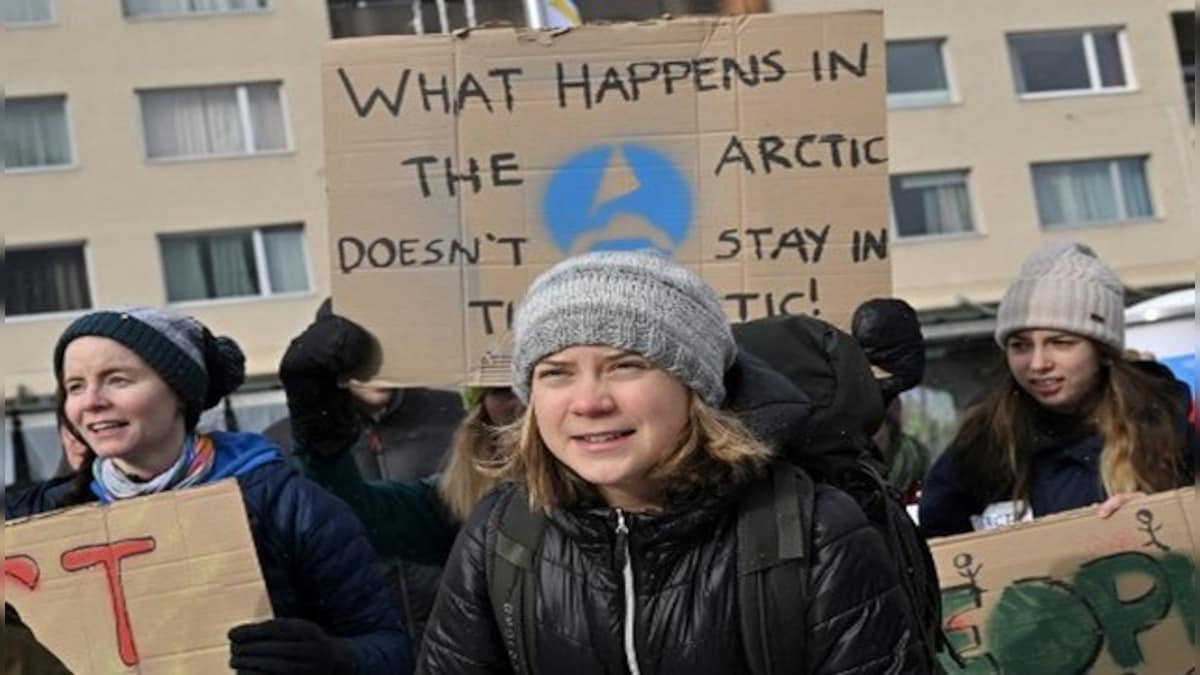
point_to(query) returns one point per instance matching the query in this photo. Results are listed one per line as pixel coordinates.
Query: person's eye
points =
(73, 388)
(549, 373)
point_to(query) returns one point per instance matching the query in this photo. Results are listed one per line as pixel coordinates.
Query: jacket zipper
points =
(630, 596)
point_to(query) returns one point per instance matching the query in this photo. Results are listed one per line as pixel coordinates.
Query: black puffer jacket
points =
(684, 573)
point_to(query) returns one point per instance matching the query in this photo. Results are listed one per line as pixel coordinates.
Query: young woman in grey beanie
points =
(132, 384)
(1072, 421)
(631, 457)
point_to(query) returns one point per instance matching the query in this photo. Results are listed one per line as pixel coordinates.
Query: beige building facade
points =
(170, 153)
(179, 157)
(1048, 121)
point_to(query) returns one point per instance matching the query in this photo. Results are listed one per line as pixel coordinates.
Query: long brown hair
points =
(473, 447)
(1135, 413)
(714, 449)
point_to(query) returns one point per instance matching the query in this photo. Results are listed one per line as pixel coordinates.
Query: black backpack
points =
(834, 446)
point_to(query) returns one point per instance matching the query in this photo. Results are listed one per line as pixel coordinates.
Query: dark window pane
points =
(915, 66)
(1049, 63)
(210, 266)
(46, 280)
(1108, 57)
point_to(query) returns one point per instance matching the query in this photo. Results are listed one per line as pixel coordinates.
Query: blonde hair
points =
(465, 479)
(1137, 415)
(714, 449)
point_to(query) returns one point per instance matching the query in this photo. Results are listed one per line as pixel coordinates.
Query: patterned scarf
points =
(193, 465)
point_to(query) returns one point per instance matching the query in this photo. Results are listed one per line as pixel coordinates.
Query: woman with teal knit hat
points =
(132, 384)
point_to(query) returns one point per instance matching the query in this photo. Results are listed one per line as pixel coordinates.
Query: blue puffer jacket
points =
(314, 554)
(1065, 475)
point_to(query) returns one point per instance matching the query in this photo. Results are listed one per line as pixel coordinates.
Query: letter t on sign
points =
(110, 555)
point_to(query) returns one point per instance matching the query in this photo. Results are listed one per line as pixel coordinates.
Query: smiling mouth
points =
(605, 437)
(101, 427)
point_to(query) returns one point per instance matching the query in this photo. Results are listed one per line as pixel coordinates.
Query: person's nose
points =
(1040, 359)
(591, 397)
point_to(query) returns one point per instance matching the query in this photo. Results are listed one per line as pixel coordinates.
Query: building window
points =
(220, 121)
(1091, 192)
(1077, 61)
(232, 264)
(916, 74)
(16, 12)
(45, 279)
(35, 133)
(189, 7)
(931, 204)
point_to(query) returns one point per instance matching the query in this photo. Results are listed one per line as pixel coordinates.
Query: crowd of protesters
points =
(620, 438)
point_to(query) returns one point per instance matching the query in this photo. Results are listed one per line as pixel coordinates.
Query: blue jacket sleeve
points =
(946, 506)
(338, 577)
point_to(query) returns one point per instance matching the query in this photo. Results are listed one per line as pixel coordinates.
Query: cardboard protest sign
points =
(752, 149)
(1073, 593)
(149, 585)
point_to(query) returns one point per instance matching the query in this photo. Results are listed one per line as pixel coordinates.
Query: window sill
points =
(242, 300)
(934, 238)
(218, 158)
(34, 170)
(919, 104)
(22, 25)
(45, 316)
(1102, 224)
(1077, 93)
(151, 18)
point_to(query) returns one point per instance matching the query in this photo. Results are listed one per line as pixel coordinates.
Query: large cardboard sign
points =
(752, 149)
(1077, 594)
(151, 585)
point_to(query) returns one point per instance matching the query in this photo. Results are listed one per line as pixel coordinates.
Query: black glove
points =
(323, 415)
(287, 647)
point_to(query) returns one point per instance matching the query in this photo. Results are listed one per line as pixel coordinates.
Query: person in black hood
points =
(889, 333)
(637, 450)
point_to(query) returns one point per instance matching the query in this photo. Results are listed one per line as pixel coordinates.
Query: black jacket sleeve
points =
(860, 620)
(461, 636)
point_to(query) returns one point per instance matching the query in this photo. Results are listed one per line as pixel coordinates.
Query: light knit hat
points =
(199, 367)
(635, 301)
(1065, 286)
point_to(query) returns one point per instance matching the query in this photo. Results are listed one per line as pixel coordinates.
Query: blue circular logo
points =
(597, 202)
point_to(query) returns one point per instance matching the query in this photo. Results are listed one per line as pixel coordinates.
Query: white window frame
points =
(50, 168)
(260, 263)
(170, 16)
(1114, 175)
(88, 273)
(976, 232)
(926, 99)
(1095, 87)
(243, 97)
(52, 21)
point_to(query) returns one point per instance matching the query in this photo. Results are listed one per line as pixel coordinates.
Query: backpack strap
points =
(511, 581)
(773, 540)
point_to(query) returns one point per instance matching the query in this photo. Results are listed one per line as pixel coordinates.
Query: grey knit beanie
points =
(635, 301)
(1065, 286)
(200, 368)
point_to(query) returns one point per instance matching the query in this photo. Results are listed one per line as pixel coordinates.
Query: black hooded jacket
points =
(684, 579)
